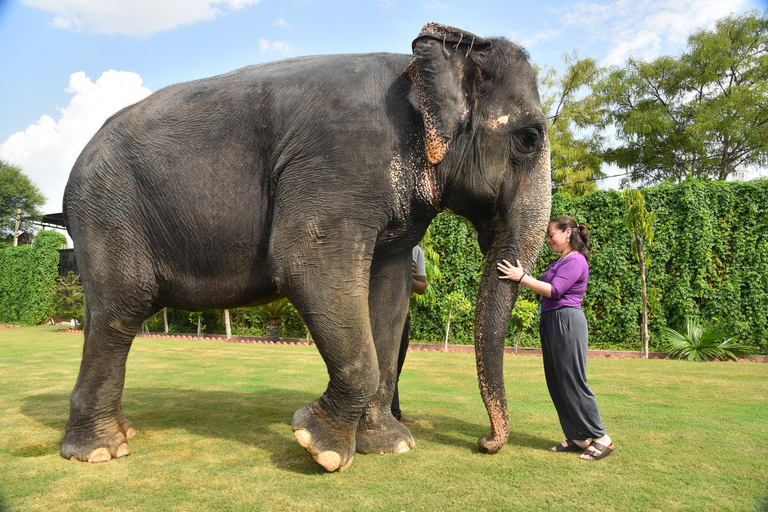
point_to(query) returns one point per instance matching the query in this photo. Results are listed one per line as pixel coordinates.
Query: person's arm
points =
(418, 283)
(419, 272)
(517, 274)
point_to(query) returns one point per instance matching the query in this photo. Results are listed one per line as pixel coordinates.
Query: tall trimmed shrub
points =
(28, 278)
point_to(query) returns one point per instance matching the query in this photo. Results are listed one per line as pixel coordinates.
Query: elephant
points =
(309, 178)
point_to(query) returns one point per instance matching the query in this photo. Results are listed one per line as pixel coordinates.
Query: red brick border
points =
(416, 347)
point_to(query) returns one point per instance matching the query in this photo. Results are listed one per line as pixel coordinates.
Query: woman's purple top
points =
(568, 277)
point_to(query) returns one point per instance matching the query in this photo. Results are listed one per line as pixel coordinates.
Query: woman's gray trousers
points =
(564, 339)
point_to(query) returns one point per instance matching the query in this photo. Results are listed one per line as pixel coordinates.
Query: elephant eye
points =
(527, 140)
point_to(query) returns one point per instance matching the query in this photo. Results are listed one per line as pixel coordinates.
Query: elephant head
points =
(486, 136)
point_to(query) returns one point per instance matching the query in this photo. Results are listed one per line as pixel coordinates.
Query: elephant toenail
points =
(329, 460)
(122, 451)
(303, 437)
(99, 455)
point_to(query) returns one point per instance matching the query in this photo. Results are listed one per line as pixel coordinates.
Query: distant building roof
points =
(53, 220)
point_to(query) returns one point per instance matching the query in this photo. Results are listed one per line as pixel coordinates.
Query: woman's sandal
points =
(598, 451)
(570, 446)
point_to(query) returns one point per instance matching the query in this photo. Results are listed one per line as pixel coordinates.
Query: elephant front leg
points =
(390, 290)
(328, 285)
(326, 427)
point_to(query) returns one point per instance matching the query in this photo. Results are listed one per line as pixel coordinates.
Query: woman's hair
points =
(579, 234)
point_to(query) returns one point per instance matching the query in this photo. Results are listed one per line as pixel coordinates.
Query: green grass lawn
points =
(213, 424)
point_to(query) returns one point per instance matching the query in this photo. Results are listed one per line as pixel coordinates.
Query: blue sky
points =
(69, 64)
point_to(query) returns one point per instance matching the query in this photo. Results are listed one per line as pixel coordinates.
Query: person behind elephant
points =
(418, 286)
(564, 337)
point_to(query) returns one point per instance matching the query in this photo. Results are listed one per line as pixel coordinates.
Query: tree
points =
(523, 317)
(639, 222)
(576, 141)
(68, 299)
(196, 318)
(704, 114)
(17, 192)
(458, 305)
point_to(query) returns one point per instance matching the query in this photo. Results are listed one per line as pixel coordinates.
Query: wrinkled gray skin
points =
(312, 179)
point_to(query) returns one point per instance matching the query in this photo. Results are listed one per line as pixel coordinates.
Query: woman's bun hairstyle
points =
(579, 234)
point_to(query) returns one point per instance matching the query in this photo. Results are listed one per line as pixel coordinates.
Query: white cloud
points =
(46, 151)
(542, 36)
(135, 18)
(275, 46)
(646, 28)
(282, 23)
(643, 44)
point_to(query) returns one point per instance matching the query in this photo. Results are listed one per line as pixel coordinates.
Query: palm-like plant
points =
(68, 300)
(703, 343)
(273, 314)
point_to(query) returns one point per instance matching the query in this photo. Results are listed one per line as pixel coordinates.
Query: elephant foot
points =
(98, 446)
(387, 435)
(103, 449)
(331, 448)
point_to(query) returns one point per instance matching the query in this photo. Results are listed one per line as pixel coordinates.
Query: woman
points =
(564, 336)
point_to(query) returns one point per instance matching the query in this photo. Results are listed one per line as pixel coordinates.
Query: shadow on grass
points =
(247, 418)
(762, 505)
(450, 431)
(261, 419)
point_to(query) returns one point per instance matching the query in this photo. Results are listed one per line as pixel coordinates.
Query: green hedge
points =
(28, 278)
(709, 259)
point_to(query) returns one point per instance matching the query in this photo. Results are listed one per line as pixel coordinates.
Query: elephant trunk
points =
(518, 234)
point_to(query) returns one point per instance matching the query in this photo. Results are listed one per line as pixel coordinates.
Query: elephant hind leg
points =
(98, 429)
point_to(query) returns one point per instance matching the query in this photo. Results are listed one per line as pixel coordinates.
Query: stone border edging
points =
(414, 347)
(527, 351)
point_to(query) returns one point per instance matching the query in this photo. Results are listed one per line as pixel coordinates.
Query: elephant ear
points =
(443, 73)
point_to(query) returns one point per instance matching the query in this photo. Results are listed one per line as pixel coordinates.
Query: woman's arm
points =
(516, 273)
(418, 283)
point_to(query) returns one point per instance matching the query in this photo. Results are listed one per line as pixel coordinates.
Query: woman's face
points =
(557, 238)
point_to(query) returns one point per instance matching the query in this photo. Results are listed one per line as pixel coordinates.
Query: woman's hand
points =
(509, 271)
(517, 274)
